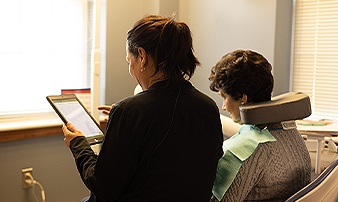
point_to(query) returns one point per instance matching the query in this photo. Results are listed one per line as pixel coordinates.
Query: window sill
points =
(27, 127)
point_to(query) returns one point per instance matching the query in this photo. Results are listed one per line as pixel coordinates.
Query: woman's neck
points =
(152, 80)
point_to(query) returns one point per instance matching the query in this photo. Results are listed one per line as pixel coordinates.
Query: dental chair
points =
(284, 108)
(323, 188)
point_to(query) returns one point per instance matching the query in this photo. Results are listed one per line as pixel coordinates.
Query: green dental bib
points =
(236, 150)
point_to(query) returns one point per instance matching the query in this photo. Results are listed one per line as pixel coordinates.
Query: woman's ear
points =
(143, 55)
(244, 99)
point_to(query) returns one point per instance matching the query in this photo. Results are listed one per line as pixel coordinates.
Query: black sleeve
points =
(117, 161)
(85, 158)
(108, 174)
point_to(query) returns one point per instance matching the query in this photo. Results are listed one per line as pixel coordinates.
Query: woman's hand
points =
(70, 132)
(105, 110)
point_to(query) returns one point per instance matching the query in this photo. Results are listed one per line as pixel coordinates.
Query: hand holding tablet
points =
(70, 132)
(70, 109)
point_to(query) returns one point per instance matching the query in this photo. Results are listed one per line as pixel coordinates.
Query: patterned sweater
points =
(275, 171)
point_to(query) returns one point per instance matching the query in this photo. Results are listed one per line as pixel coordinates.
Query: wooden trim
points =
(21, 134)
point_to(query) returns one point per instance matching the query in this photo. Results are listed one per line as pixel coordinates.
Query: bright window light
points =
(44, 47)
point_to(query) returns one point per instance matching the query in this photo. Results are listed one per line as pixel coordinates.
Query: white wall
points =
(283, 41)
(220, 26)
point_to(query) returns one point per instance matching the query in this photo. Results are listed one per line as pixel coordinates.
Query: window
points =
(45, 47)
(315, 55)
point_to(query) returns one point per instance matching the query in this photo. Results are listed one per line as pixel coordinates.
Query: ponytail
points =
(170, 44)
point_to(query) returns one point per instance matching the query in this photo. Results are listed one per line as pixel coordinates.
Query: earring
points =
(142, 68)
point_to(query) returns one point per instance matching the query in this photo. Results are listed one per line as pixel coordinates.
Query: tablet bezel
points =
(52, 98)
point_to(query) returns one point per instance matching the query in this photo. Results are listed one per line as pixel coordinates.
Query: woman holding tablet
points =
(164, 143)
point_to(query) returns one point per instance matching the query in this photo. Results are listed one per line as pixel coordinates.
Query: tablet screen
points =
(70, 109)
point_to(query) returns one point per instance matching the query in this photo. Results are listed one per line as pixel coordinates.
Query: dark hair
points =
(168, 42)
(243, 72)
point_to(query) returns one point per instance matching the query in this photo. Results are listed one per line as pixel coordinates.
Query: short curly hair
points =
(243, 72)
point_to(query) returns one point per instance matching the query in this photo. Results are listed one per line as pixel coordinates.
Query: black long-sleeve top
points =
(162, 144)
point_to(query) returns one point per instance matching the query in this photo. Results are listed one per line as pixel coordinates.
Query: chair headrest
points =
(284, 107)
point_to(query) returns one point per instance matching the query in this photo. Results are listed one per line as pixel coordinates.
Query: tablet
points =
(70, 109)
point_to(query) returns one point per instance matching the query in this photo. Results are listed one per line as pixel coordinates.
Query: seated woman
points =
(260, 162)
